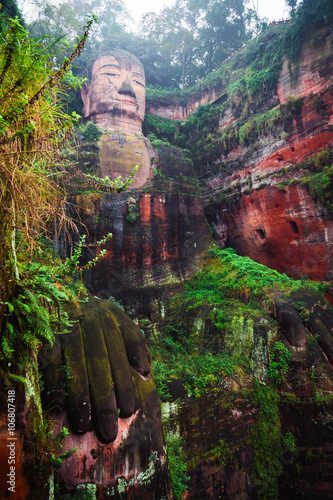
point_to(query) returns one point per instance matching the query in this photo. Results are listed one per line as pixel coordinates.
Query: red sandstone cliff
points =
(254, 195)
(159, 235)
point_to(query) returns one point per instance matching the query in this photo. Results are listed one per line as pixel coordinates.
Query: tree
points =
(10, 9)
(174, 33)
(33, 129)
(61, 22)
(226, 27)
(292, 5)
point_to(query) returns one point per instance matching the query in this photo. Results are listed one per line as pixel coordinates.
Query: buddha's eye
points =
(139, 83)
(114, 75)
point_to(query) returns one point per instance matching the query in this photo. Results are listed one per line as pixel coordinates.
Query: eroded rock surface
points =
(266, 210)
(159, 235)
(258, 434)
(98, 384)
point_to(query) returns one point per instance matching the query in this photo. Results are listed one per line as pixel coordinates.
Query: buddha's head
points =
(115, 97)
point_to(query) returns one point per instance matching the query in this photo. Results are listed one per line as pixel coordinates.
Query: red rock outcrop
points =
(158, 235)
(181, 112)
(281, 227)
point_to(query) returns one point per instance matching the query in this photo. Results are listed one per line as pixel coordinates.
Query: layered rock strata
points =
(159, 234)
(257, 200)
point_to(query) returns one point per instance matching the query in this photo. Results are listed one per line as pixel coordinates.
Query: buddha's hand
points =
(99, 371)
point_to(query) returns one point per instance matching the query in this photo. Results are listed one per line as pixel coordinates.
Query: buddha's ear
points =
(85, 99)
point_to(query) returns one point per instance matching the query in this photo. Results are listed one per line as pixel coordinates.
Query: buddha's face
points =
(115, 98)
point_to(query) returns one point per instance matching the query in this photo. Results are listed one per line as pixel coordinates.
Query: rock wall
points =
(247, 437)
(255, 197)
(256, 200)
(281, 228)
(159, 235)
(259, 199)
(181, 112)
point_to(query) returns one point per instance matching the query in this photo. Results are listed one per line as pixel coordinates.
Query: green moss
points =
(280, 357)
(266, 442)
(213, 324)
(166, 129)
(221, 455)
(316, 174)
(89, 131)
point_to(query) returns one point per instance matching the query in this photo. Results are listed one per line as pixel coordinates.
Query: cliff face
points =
(266, 182)
(261, 432)
(281, 228)
(158, 235)
(265, 190)
(182, 111)
(266, 211)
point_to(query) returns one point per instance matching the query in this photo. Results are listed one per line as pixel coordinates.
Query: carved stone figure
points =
(115, 101)
(98, 383)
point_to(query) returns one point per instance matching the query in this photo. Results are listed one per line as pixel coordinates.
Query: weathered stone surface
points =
(180, 112)
(119, 153)
(281, 228)
(12, 485)
(159, 235)
(114, 99)
(313, 73)
(97, 384)
(235, 436)
(20, 445)
(119, 453)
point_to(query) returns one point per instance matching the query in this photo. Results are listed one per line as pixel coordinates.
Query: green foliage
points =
(115, 302)
(248, 83)
(176, 457)
(47, 448)
(66, 376)
(132, 211)
(35, 313)
(289, 442)
(155, 126)
(302, 310)
(320, 187)
(245, 273)
(279, 360)
(228, 293)
(312, 342)
(290, 110)
(310, 15)
(182, 355)
(259, 126)
(220, 454)
(317, 177)
(33, 127)
(266, 442)
(90, 131)
(116, 185)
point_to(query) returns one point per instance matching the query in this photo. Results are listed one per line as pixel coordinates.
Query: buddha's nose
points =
(126, 88)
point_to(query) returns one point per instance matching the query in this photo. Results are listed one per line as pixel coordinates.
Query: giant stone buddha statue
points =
(114, 100)
(110, 403)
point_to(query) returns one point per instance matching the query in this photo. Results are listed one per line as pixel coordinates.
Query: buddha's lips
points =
(127, 100)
